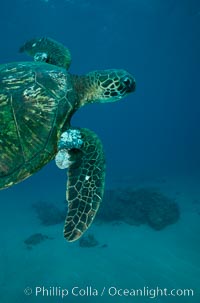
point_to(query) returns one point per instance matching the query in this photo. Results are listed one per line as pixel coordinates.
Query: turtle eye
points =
(126, 80)
(129, 83)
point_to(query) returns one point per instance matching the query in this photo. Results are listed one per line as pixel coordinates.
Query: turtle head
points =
(106, 86)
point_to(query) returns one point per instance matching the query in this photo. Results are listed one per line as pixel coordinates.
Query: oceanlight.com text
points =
(111, 291)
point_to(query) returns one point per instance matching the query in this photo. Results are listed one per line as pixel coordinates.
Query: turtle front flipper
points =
(86, 178)
(47, 50)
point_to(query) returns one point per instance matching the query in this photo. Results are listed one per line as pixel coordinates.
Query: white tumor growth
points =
(62, 159)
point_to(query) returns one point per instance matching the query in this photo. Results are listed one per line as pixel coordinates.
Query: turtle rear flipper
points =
(85, 185)
(47, 50)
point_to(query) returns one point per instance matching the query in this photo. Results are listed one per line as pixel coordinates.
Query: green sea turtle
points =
(37, 101)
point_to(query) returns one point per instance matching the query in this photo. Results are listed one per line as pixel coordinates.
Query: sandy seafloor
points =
(134, 257)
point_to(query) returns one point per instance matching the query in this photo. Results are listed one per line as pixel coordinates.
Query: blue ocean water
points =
(151, 138)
